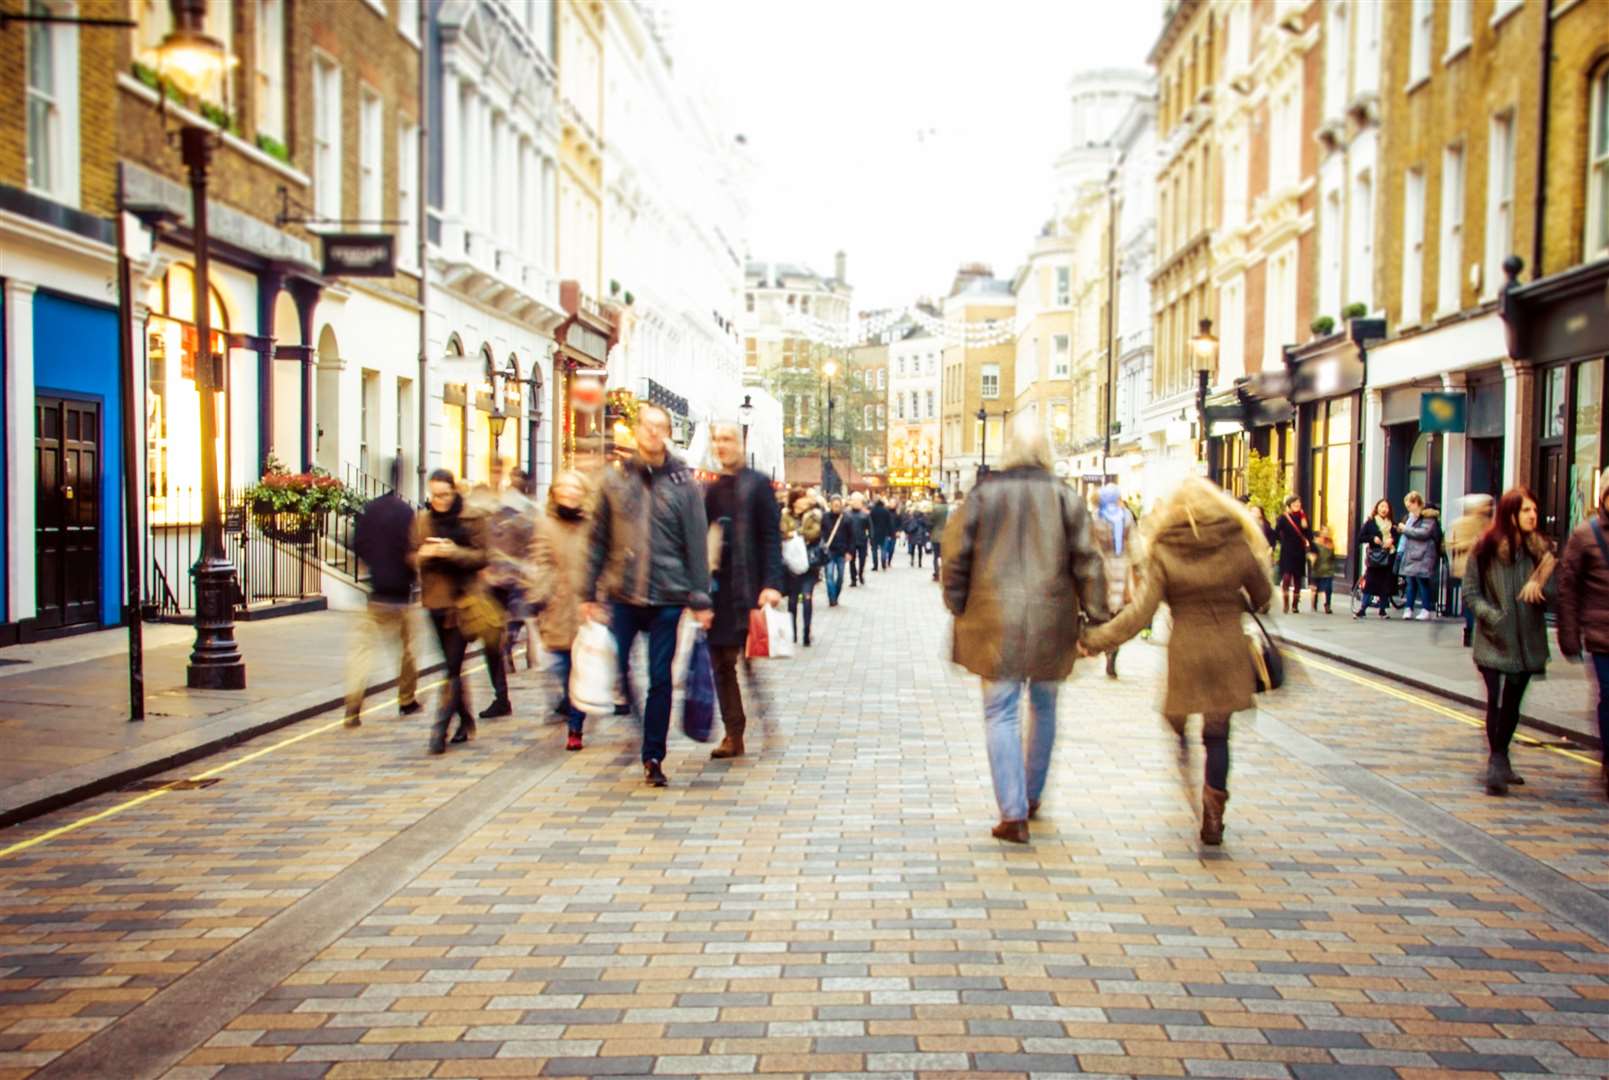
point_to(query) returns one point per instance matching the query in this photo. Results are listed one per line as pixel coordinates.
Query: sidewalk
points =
(64, 704)
(1431, 656)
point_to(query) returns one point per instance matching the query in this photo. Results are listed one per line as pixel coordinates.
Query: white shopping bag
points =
(686, 635)
(779, 633)
(594, 669)
(795, 555)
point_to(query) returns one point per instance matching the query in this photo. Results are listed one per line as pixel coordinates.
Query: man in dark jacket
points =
(836, 532)
(882, 535)
(748, 576)
(859, 524)
(1584, 606)
(382, 540)
(650, 558)
(937, 518)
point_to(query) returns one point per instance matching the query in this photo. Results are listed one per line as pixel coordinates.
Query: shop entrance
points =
(67, 549)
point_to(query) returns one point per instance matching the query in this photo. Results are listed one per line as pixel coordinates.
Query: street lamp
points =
(745, 412)
(983, 441)
(1204, 348)
(829, 369)
(194, 60)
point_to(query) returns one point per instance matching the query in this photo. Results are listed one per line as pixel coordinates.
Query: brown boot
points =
(1212, 815)
(1015, 832)
(731, 746)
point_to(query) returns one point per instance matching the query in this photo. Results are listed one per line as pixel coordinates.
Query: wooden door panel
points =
(67, 522)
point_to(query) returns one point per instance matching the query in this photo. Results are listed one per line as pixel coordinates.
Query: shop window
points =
(452, 429)
(172, 402)
(1587, 439)
(1331, 460)
(1553, 403)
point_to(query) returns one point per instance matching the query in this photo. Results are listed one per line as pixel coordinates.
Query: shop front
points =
(1560, 325)
(1254, 416)
(1327, 378)
(581, 345)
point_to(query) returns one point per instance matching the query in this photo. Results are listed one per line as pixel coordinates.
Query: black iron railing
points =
(275, 555)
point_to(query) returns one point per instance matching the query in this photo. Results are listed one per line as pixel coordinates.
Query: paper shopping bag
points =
(759, 643)
(779, 633)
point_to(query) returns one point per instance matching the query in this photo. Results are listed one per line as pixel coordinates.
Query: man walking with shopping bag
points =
(650, 559)
(748, 573)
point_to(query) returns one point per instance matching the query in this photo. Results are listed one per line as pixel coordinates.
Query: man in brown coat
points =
(1020, 568)
(1584, 606)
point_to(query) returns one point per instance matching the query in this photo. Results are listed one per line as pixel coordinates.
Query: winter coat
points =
(882, 523)
(1377, 580)
(1019, 567)
(650, 541)
(753, 541)
(1202, 564)
(1584, 591)
(1323, 559)
(838, 537)
(557, 575)
(916, 529)
(1118, 589)
(937, 519)
(1295, 538)
(810, 527)
(859, 524)
(509, 529)
(1420, 554)
(383, 539)
(443, 581)
(1511, 636)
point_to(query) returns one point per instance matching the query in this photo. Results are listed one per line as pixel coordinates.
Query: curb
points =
(1575, 738)
(89, 786)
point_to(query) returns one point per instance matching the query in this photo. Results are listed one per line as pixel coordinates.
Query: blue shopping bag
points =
(698, 706)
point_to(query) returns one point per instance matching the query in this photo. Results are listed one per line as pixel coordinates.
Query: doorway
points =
(67, 549)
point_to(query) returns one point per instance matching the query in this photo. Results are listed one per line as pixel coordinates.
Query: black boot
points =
(809, 606)
(438, 736)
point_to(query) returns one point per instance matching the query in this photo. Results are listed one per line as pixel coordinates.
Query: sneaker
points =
(573, 742)
(654, 774)
(1426, 615)
(410, 708)
(1407, 614)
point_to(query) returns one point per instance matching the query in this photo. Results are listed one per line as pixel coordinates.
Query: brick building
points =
(979, 374)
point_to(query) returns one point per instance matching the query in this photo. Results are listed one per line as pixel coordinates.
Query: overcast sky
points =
(914, 134)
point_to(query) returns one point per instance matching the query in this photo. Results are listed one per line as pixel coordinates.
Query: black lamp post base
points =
(216, 676)
(215, 662)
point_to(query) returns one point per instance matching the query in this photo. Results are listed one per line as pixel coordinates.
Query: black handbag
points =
(820, 552)
(1267, 661)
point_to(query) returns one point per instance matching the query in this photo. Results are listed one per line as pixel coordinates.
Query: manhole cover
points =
(172, 785)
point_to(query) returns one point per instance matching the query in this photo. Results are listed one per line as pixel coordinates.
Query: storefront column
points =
(21, 457)
(306, 294)
(269, 286)
(1374, 449)
(1455, 455)
(1519, 394)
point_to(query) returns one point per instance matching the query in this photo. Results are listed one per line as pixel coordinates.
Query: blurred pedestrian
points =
(1295, 540)
(804, 520)
(1020, 571)
(1508, 581)
(1461, 539)
(650, 558)
(1206, 556)
(916, 532)
(1322, 572)
(1584, 607)
(449, 545)
(1419, 555)
(1377, 542)
(748, 575)
(558, 570)
(937, 519)
(1117, 534)
(836, 527)
(882, 535)
(860, 539)
(510, 520)
(383, 540)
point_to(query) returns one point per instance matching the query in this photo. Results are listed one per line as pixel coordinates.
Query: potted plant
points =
(1355, 310)
(292, 506)
(1323, 326)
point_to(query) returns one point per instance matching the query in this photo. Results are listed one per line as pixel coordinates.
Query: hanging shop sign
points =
(360, 255)
(1441, 411)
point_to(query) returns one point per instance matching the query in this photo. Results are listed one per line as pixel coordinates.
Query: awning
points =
(588, 331)
(1560, 317)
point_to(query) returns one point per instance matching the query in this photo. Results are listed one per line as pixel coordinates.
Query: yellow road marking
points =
(1427, 704)
(111, 811)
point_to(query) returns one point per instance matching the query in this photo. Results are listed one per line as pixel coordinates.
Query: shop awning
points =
(588, 331)
(1560, 317)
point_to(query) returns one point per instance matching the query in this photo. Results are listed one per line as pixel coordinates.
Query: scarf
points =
(1384, 525)
(1113, 512)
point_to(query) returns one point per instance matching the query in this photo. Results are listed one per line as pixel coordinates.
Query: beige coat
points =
(1202, 554)
(558, 575)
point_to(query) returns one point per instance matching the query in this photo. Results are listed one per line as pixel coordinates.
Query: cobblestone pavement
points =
(339, 904)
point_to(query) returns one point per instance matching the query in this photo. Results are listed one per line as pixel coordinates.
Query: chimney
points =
(839, 262)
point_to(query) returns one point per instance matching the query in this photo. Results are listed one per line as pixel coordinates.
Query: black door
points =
(67, 519)
(1554, 508)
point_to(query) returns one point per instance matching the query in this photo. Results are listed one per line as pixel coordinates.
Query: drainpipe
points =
(1544, 78)
(422, 240)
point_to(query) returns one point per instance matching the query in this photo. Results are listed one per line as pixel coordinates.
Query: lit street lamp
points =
(1204, 348)
(194, 60)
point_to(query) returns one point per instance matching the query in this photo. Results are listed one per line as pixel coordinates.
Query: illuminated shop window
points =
(172, 404)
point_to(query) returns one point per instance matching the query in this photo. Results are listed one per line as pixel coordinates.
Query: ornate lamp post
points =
(1204, 348)
(983, 441)
(745, 413)
(829, 369)
(194, 61)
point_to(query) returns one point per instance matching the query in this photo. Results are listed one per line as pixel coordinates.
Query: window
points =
(1064, 286)
(404, 406)
(882, 418)
(1366, 64)
(899, 406)
(1499, 199)
(368, 404)
(1413, 244)
(990, 381)
(901, 368)
(1335, 66)
(1238, 49)
(539, 21)
(371, 151)
(1423, 15)
(748, 302)
(1285, 137)
(930, 404)
(408, 19)
(46, 81)
(1501, 9)
(1329, 292)
(1360, 251)
(1451, 256)
(172, 402)
(408, 194)
(1279, 319)
(882, 378)
(866, 417)
(269, 69)
(1460, 25)
(1232, 329)
(326, 139)
(804, 305)
(1235, 167)
(931, 361)
(1061, 354)
(1597, 242)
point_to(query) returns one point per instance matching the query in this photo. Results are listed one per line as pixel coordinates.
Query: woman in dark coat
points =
(1295, 539)
(1376, 541)
(802, 518)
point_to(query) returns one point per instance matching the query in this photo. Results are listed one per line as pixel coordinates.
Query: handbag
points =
(758, 646)
(821, 554)
(1267, 662)
(795, 556)
(698, 705)
(479, 617)
(594, 669)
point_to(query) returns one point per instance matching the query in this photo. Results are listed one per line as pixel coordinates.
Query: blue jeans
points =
(561, 670)
(1017, 783)
(1600, 666)
(835, 577)
(1419, 589)
(1325, 585)
(659, 623)
(888, 552)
